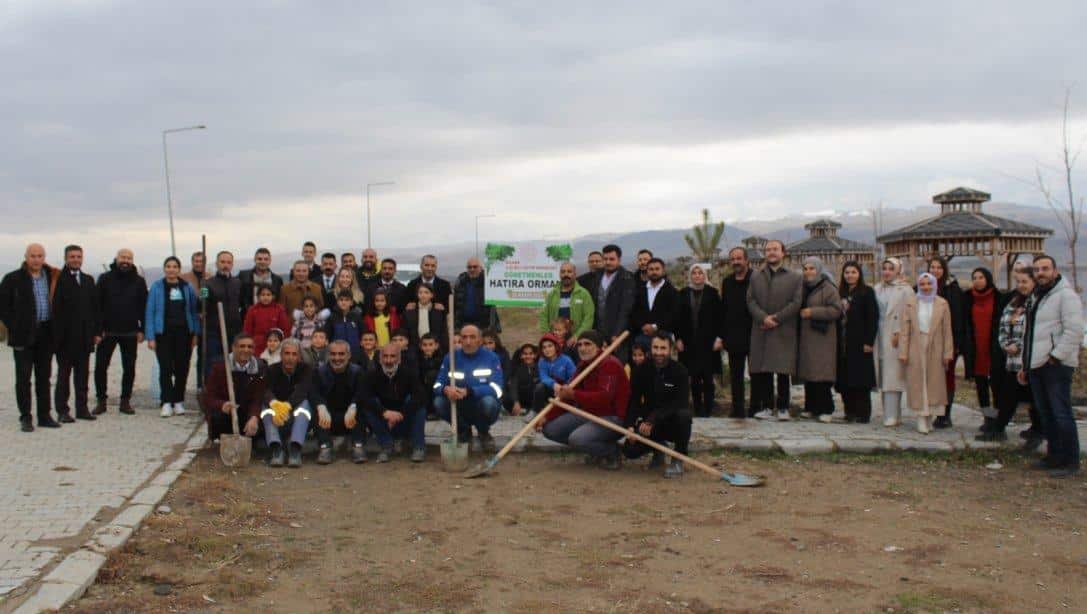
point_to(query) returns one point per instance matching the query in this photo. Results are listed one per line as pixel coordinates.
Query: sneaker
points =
(418, 455)
(765, 414)
(179, 409)
(783, 416)
(277, 456)
(294, 457)
(486, 441)
(383, 455)
(324, 455)
(806, 415)
(826, 418)
(99, 407)
(657, 461)
(674, 470)
(358, 454)
(529, 416)
(167, 410)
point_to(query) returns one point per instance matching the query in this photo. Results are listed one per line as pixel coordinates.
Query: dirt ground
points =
(903, 533)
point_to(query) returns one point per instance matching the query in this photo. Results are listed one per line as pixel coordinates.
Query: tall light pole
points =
(166, 164)
(479, 217)
(369, 244)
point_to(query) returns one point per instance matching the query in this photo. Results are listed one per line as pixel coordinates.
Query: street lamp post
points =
(369, 243)
(166, 164)
(479, 217)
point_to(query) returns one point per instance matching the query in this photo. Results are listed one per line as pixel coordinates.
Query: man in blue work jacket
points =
(477, 388)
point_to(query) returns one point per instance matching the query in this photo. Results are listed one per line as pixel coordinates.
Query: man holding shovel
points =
(605, 393)
(660, 406)
(476, 388)
(248, 373)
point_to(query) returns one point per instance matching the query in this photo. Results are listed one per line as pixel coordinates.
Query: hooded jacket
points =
(122, 300)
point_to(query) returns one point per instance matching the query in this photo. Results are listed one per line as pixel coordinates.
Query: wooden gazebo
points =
(963, 229)
(825, 244)
(756, 249)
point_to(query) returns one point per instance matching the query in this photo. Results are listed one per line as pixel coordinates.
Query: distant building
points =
(963, 229)
(825, 244)
(756, 249)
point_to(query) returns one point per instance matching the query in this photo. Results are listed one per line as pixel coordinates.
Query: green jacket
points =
(582, 309)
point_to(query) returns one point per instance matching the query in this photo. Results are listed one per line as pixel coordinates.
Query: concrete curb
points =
(71, 578)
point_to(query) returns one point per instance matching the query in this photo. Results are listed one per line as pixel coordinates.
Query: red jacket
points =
(604, 392)
(259, 319)
(394, 321)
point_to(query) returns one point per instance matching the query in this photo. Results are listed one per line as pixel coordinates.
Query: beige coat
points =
(925, 356)
(774, 350)
(890, 372)
(817, 358)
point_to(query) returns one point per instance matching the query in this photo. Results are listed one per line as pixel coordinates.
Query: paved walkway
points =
(58, 486)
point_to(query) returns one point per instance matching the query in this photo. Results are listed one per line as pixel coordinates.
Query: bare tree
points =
(1067, 210)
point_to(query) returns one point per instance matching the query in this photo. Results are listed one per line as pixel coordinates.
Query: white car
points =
(407, 272)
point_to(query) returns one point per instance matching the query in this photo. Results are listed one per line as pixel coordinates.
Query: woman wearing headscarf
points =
(983, 306)
(860, 324)
(892, 295)
(1013, 326)
(700, 333)
(948, 288)
(820, 310)
(926, 347)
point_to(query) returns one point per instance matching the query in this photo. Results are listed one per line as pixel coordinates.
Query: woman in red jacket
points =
(263, 317)
(381, 317)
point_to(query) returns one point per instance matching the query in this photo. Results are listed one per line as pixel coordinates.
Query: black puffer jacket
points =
(122, 298)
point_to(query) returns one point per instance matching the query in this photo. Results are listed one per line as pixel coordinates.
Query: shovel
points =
(234, 449)
(736, 479)
(486, 467)
(454, 453)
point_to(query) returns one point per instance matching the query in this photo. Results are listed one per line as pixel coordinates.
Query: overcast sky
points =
(562, 118)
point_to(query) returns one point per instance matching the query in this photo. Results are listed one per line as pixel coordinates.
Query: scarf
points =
(930, 296)
(898, 280)
(820, 272)
(251, 368)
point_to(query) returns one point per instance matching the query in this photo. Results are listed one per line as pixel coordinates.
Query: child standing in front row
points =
(308, 319)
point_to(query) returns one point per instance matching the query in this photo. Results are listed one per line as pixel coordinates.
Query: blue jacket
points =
(561, 370)
(481, 373)
(155, 313)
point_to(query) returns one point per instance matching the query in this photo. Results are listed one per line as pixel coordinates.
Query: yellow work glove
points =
(282, 411)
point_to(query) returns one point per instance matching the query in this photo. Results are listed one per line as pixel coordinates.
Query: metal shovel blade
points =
(742, 479)
(481, 469)
(454, 455)
(235, 450)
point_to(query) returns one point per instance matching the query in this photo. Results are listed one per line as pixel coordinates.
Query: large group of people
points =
(343, 347)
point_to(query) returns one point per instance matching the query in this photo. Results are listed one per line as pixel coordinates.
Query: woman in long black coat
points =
(699, 332)
(860, 324)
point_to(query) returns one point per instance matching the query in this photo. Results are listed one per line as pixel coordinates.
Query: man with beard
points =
(196, 278)
(737, 325)
(568, 300)
(428, 276)
(595, 262)
(327, 279)
(660, 405)
(26, 311)
(613, 293)
(122, 299)
(223, 288)
(656, 303)
(338, 393)
(77, 330)
(299, 288)
(773, 298)
(395, 291)
(260, 275)
(248, 373)
(368, 272)
(395, 407)
(289, 382)
(347, 261)
(309, 256)
(643, 258)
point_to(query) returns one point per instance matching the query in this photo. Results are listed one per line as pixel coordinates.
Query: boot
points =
(988, 425)
(84, 414)
(99, 407)
(26, 424)
(294, 459)
(277, 456)
(126, 407)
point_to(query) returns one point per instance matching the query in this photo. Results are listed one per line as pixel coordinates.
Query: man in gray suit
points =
(613, 292)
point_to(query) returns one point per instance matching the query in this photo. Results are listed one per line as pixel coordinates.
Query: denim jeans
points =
(1052, 389)
(583, 435)
(295, 428)
(412, 428)
(472, 411)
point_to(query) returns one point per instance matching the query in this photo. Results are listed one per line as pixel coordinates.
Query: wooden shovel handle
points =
(637, 437)
(452, 367)
(574, 382)
(227, 369)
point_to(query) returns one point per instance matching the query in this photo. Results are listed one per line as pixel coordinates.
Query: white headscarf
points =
(705, 267)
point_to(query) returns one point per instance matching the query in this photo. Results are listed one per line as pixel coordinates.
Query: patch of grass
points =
(912, 602)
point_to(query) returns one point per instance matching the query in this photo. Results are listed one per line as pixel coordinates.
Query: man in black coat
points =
(656, 303)
(428, 276)
(737, 325)
(394, 405)
(612, 289)
(327, 279)
(660, 405)
(26, 311)
(595, 263)
(395, 292)
(260, 275)
(122, 298)
(76, 330)
(469, 297)
(223, 288)
(309, 256)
